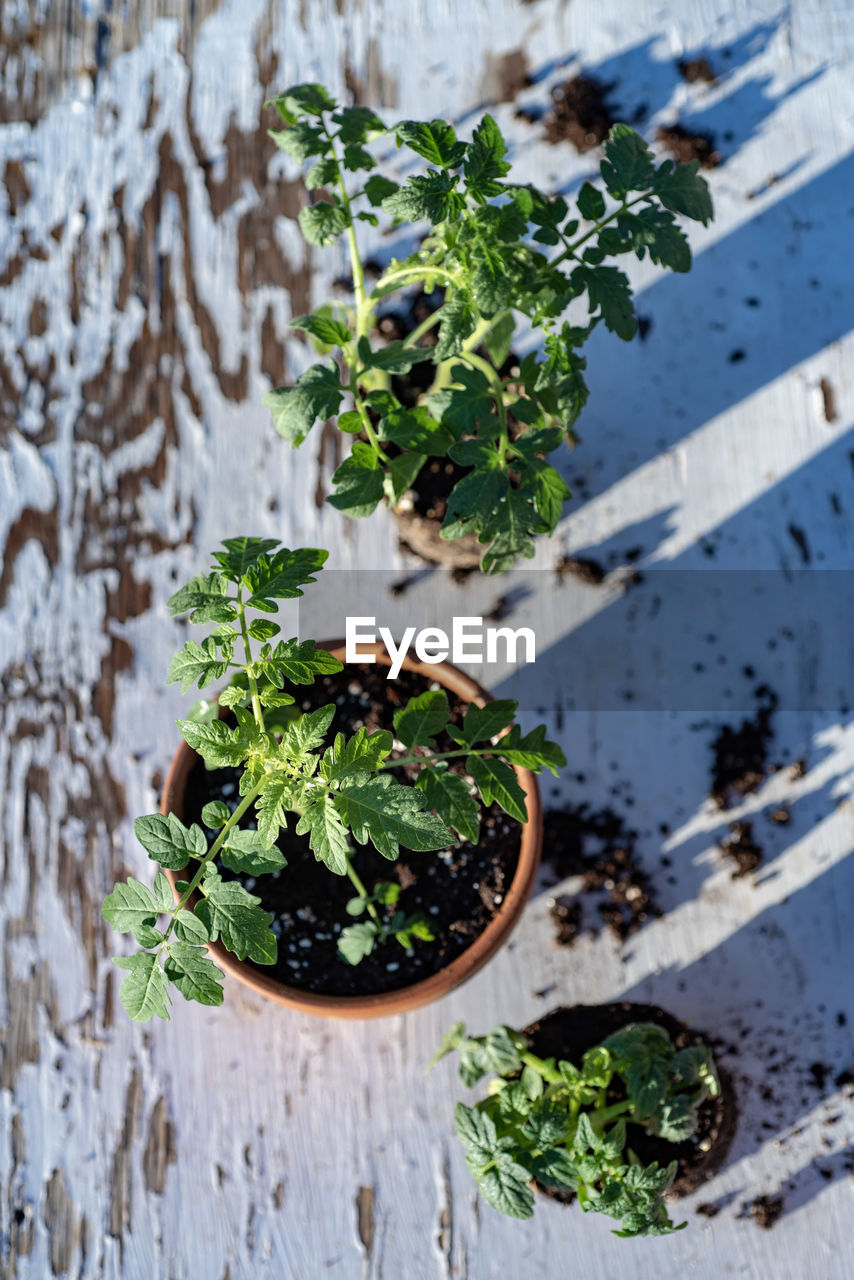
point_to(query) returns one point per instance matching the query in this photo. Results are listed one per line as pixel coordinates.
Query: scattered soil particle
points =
(781, 816)
(402, 585)
(741, 755)
(742, 848)
(567, 1033)
(708, 1210)
(502, 607)
(764, 1210)
(819, 1072)
(694, 70)
(798, 769)
(685, 146)
(598, 847)
(581, 113)
(458, 889)
(828, 400)
(567, 917)
(589, 571)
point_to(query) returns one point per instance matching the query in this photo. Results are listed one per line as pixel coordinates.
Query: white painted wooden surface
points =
(146, 243)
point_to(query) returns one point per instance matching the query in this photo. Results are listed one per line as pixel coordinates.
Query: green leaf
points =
(239, 554)
(481, 724)
(502, 1055)
(465, 406)
(378, 189)
(533, 751)
(204, 598)
(450, 796)
(499, 338)
(189, 928)
(394, 357)
(237, 918)
(217, 744)
(657, 230)
(511, 526)
(322, 223)
(403, 471)
(306, 733)
(547, 1124)
(681, 190)
(281, 576)
(302, 99)
(458, 322)
(389, 815)
(363, 753)
(271, 809)
(197, 664)
(317, 395)
(485, 161)
(263, 629)
(356, 158)
(436, 141)
(357, 941)
(327, 834)
(628, 164)
(416, 430)
(433, 196)
(472, 502)
(144, 992)
(478, 1135)
(133, 908)
(556, 1168)
(422, 718)
(301, 141)
(357, 124)
(322, 174)
(247, 851)
(608, 289)
(333, 333)
(358, 481)
(498, 783)
(196, 977)
(451, 1040)
(165, 839)
(300, 661)
(505, 1187)
(550, 491)
(591, 203)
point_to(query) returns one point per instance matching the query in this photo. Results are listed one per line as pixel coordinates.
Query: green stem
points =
(253, 683)
(441, 755)
(361, 409)
(570, 251)
(411, 273)
(211, 854)
(412, 338)
(600, 1118)
(550, 1074)
(356, 881)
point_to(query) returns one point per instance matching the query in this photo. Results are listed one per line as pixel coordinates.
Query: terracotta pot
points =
(570, 1032)
(467, 962)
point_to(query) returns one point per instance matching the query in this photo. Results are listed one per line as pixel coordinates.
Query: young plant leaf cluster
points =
(558, 1123)
(497, 250)
(295, 769)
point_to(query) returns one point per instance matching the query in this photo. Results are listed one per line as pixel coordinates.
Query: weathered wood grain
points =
(149, 263)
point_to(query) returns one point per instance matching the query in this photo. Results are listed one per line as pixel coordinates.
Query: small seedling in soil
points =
(295, 767)
(496, 250)
(567, 1126)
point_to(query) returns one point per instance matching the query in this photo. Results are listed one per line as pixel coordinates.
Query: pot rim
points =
(463, 966)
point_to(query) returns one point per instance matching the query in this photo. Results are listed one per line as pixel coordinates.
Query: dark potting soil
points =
(588, 571)
(459, 889)
(684, 146)
(597, 845)
(741, 755)
(569, 1032)
(580, 113)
